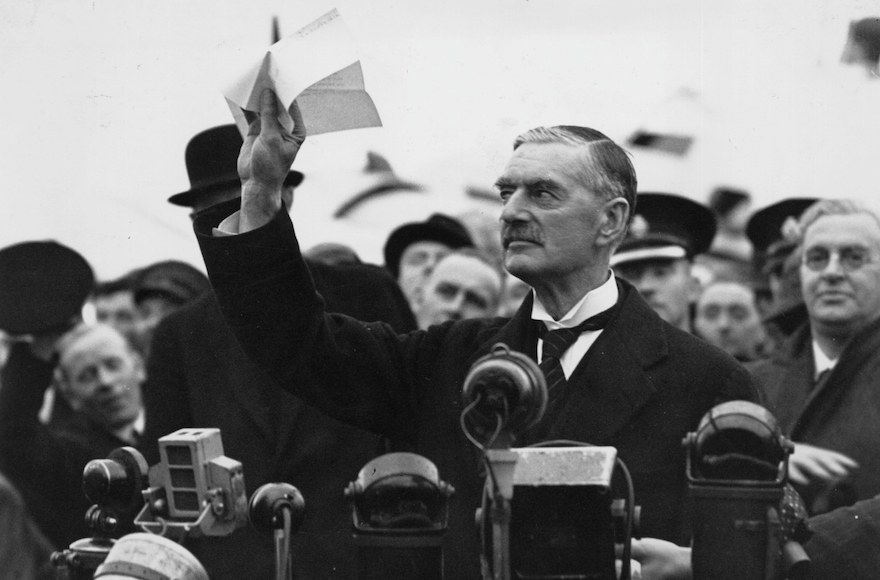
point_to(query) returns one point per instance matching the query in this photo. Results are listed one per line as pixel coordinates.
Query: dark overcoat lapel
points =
(609, 385)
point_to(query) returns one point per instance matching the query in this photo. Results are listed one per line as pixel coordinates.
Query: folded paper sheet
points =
(318, 66)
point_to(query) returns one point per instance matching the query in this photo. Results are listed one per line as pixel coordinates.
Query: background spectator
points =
(464, 284)
(728, 318)
(657, 255)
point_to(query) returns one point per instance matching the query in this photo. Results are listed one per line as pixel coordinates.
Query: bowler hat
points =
(43, 286)
(212, 164)
(666, 226)
(437, 228)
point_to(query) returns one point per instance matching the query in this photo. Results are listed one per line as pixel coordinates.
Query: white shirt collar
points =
(593, 302)
(823, 363)
(133, 429)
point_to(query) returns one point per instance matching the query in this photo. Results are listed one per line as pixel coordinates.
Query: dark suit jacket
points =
(642, 386)
(198, 376)
(46, 464)
(842, 412)
(844, 543)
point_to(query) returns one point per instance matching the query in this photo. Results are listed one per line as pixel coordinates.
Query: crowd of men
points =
(312, 363)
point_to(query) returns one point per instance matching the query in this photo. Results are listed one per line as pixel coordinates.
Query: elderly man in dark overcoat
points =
(638, 384)
(822, 384)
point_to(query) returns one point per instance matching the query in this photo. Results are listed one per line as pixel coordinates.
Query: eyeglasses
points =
(851, 258)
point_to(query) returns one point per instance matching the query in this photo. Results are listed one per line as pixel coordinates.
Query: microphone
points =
(505, 392)
(737, 466)
(194, 490)
(279, 509)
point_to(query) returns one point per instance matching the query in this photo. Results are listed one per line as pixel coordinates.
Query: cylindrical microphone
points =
(505, 386)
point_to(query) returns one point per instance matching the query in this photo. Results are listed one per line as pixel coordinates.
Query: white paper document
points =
(318, 66)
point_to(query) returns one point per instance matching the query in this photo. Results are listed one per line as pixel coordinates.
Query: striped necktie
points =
(556, 342)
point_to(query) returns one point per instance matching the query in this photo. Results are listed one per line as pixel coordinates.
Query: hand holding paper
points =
(266, 156)
(318, 66)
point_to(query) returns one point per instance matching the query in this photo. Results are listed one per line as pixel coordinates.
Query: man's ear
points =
(615, 216)
(695, 286)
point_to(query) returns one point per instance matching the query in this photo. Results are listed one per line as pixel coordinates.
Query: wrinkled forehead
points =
(468, 271)
(91, 345)
(835, 231)
(724, 293)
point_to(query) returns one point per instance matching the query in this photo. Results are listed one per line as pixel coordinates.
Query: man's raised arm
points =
(265, 159)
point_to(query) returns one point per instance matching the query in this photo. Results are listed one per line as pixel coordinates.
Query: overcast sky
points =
(100, 99)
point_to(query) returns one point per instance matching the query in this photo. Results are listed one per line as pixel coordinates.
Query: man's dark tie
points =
(556, 342)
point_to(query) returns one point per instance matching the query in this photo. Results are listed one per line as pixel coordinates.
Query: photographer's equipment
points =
(142, 556)
(737, 465)
(548, 511)
(278, 509)
(400, 515)
(115, 485)
(194, 490)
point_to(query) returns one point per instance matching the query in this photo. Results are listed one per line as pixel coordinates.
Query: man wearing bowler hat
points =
(211, 158)
(657, 255)
(413, 249)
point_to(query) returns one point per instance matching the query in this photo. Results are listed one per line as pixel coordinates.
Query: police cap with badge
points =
(666, 227)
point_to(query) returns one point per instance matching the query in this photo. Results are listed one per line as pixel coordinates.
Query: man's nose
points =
(834, 269)
(515, 208)
(456, 304)
(723, 323)
(106, 379)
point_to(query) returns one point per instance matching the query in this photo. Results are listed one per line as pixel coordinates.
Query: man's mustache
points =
(520, 233)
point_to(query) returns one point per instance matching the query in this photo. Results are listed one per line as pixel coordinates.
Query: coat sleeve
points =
(844, 542)
(165, 392)
(361, 373)
(46, 468)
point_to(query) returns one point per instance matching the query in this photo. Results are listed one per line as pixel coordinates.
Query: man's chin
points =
(521, 266)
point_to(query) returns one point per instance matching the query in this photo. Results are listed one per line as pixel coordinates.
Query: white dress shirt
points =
(594, 302)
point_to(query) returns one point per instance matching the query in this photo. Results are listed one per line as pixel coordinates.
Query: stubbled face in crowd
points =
(460, 287)
(416, 263)
(728, 318)
(840, 271)
(550, 220)
(101, 376)
(666, 285)
(118, 310)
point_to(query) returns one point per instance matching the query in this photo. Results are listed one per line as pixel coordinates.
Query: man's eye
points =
(816, 259)
(87, 376)
(739, 313)
(711, 312)
(447, 291)
(542, 194)
(853, 258)
(416, 259)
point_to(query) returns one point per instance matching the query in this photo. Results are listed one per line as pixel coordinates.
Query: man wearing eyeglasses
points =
(824, 383)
